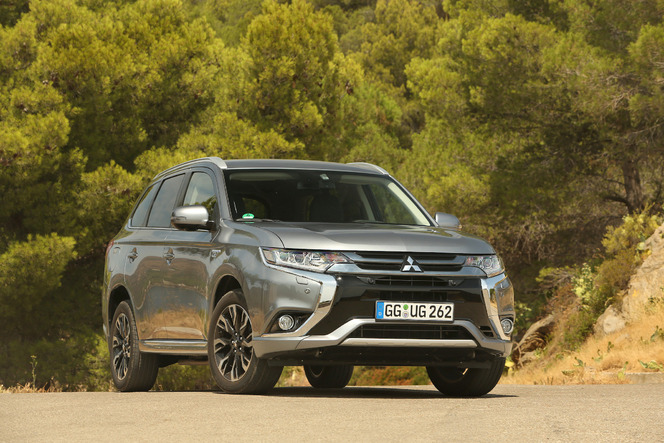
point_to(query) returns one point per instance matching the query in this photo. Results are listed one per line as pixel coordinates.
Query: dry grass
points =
(603, 359)
(27, 388)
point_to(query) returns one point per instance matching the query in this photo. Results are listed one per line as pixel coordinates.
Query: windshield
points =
(319, 196)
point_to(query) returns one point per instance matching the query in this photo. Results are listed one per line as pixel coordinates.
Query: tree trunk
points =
(632, 183)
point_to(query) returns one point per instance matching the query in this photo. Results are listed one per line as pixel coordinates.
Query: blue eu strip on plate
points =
(380, 309)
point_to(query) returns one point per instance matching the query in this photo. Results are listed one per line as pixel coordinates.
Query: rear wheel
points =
(328, 377)
(470, 382)
(234, 366)
(131, 369)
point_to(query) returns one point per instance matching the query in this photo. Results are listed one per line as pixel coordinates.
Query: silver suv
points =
(252, 265)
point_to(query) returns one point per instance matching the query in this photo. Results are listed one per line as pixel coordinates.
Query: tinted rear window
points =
(141, 213)
(160, 214)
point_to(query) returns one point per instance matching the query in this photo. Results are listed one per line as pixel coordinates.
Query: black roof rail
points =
(215, 160)
(366, 165)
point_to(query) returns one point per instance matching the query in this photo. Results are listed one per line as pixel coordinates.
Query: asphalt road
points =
(510, 413)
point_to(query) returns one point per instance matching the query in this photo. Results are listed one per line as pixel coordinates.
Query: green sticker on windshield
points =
(248, 215)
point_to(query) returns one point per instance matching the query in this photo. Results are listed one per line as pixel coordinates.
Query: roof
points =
(303, 164)
(279, 164)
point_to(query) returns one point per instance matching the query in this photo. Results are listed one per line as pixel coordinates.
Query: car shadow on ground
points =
(377, 392)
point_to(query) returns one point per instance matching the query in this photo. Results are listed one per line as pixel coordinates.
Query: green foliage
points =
(226, 136)
(584, 286)
(624, 247)
(632, 233)
(597, 284)
(657, 335)
(396, 375)
(612, 24)
(103, 202)
(294, 85)
(184, 378)
(402, 30)
(11, 10)
(372, 128)
(578, 327)
(78, 363)
(652, 364)
(38, 262)
(538, 123)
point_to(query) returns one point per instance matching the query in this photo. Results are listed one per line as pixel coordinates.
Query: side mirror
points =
(449, 221)
(190, 218)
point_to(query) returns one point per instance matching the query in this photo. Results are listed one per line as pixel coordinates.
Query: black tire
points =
(131, 369)
(471, 382)
(233, 363)
(328, 377)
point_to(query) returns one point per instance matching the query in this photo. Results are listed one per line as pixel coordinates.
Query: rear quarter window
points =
(164, 203)
(140, 216)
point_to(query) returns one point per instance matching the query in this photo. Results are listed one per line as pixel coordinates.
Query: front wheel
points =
(233, 363)
(470, 382)
(131, 369)
(328, 377)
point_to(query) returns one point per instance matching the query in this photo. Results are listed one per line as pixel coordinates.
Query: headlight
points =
(490, 264)
(307, 260)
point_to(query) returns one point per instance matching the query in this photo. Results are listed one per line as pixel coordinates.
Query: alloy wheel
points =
(121, 346)
(232, 342)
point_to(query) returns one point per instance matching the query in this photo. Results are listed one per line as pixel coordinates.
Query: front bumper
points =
(345, 308)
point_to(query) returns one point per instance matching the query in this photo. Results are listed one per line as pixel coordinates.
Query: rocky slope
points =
(645, 287)
(628, 340)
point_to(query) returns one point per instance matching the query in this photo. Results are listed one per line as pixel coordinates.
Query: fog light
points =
(507, 324)
(286, 322)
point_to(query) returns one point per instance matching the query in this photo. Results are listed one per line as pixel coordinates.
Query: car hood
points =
(376, 237)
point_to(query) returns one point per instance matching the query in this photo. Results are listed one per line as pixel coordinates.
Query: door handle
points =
(132, 255)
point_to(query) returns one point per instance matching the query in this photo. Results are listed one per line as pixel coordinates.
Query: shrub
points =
(632, 233)
(185, 378)
(77, 363)
(597, 284)
(579, 326)
(392, 375)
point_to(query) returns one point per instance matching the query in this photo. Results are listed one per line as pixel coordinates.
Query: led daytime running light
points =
(490, 264)
(308, 260)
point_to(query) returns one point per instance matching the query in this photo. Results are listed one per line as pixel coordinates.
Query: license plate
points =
(387, 310)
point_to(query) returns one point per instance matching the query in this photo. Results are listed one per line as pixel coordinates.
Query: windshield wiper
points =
(256, 219)
(379, 222)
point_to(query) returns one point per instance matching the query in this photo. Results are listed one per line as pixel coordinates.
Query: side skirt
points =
(179, 347)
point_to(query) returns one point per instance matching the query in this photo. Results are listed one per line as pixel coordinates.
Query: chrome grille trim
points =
(393, 261)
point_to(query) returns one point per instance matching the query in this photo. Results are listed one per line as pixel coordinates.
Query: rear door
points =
(147, 259)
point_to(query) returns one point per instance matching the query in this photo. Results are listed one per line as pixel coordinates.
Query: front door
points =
(188, 278)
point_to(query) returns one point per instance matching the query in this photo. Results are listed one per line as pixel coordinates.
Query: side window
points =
(201, 192)
(141, 213)
(160, 215)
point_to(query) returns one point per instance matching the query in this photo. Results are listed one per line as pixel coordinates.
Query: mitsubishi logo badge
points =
(410, 265)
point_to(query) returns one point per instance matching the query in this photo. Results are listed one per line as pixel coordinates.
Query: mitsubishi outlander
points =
(252, 265)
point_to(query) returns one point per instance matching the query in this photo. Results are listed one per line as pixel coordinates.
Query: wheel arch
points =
(117, 296)
(227, 283)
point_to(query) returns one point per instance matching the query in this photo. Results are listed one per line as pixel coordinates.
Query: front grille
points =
(418, 288)
(393, 261)
(357, 295)
(422, 332)
(416, 281)
(421, 296)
